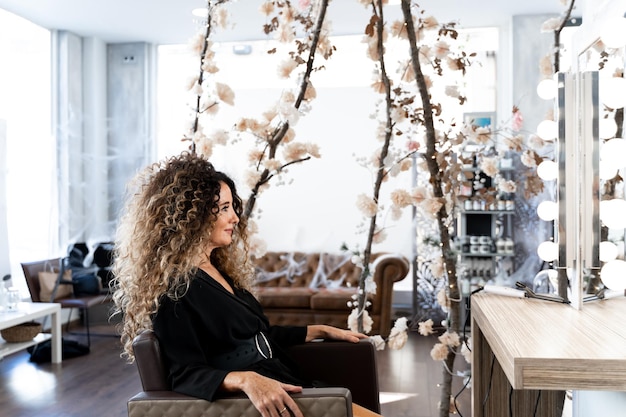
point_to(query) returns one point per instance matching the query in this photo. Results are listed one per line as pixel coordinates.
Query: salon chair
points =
(349, 366)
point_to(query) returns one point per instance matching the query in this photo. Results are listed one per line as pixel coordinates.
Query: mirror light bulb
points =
(548, 170)
(548, 210)
(613, 275)
(548, 251)
(612, 213)
(547, 130)
(608, 251)
(546, 89)
(608, 128)
(613, 92)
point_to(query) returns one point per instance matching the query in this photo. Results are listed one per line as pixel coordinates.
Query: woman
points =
(182, 269)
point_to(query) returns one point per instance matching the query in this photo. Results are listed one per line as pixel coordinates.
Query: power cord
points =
(459, 393)
(511, 402)
(493, 360)
(537, 404)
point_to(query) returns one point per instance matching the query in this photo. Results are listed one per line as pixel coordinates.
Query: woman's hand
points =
(270, 397)
(321, 331)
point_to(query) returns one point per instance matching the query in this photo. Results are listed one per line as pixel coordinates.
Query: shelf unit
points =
(7, 348)
(485, 233)
(480, 258)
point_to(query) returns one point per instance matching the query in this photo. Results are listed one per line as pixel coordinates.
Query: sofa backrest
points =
(299, 269)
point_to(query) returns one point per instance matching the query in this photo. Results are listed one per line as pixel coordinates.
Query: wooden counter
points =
(522, 347)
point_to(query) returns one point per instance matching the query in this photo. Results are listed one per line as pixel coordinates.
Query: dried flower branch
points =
(317, 39)
(275, 131)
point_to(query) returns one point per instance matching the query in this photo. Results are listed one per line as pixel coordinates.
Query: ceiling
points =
(171, 21)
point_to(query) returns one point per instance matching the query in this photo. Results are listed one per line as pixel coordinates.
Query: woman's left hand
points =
(321, 331)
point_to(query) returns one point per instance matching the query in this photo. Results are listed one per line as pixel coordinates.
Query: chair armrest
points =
(388, 269)
(342, 364)
(313, 402)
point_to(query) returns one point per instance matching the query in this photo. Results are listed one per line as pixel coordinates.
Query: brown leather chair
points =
(82, 303)
(350, 366)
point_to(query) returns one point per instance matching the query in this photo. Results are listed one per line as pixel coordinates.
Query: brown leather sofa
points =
(349, 366)
(295, 288)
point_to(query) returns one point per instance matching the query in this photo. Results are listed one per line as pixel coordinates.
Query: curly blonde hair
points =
(171, 208)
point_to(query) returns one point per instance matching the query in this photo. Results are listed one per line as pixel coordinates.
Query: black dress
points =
(208, 322)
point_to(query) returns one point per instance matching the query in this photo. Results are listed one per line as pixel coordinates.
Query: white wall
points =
(317, 210)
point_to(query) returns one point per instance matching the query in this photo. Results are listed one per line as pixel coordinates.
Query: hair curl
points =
(169, 214)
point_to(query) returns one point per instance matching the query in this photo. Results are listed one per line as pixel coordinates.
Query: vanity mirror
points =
(601, 150)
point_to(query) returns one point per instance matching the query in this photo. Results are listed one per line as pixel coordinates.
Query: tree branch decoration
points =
(275, 130)
(207, 96)
(435, 162)
(411, 112)
(375, 33)
(267, 166)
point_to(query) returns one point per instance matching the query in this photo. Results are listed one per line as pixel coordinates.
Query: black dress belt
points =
(247, 353)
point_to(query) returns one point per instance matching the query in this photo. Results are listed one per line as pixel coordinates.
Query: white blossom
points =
(439, 352)
(401, 198)
(370, 285)
(286, 68)
(378, 341)
(507, 186)
(219, 136)
(551, 24)
(357, 260)
(528, 159)
(426, 327)
(367, 205)
(353, 323)
(489, 166)
(258, 247)
(450, 339)
(267, 8)
(397, 338)
(437, 268)
(225, 93)
(466, 352)
(379, 236)
(442, 299)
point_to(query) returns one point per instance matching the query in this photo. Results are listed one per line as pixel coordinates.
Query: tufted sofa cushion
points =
(335, 299)
(313, 402)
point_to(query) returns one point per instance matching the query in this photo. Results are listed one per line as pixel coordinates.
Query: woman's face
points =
(224, 225)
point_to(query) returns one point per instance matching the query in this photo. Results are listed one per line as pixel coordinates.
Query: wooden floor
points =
(100, 383)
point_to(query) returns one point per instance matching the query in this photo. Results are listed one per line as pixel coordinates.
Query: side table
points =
(28, 312)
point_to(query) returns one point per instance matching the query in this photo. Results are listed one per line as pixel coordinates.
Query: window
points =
(27, 165)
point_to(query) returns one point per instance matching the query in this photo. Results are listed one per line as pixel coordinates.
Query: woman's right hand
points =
(270, 397)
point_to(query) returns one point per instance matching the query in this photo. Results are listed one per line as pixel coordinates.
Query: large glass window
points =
(28, 166)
